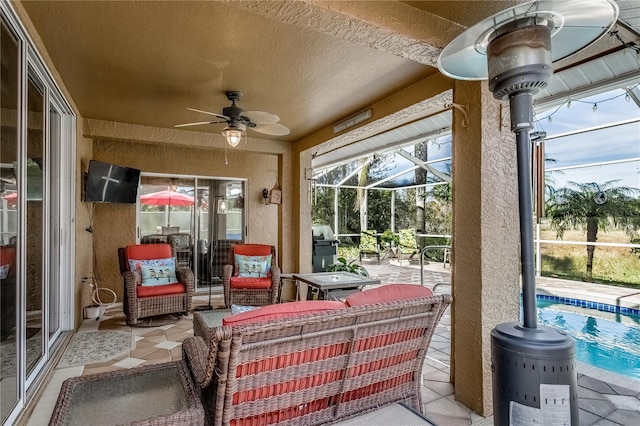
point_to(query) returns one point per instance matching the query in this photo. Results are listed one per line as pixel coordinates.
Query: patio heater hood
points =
(534, 376)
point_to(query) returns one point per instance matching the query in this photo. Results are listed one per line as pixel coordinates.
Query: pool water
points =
(604, 340)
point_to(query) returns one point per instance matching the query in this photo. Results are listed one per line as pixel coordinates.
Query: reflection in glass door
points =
(201, 229)
(203, 232)
(220, 225)
(35, 214)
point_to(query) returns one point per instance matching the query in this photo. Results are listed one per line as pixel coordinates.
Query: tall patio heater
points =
(534, 377)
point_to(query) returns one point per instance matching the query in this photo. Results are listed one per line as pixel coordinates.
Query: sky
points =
(610, 144)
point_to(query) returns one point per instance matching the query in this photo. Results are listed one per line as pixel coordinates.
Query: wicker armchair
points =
(181, 246)
(257, 287)
(407, 243)
(141, 300)
(369, 245)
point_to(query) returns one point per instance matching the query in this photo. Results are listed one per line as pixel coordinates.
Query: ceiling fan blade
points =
(261, 117)
(275, 129)
(224, 117)
(198, 123)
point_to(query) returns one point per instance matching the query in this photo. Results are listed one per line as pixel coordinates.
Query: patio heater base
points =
(534, 376)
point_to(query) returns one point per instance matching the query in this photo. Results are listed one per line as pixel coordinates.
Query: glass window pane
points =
(234, 223)
(215, 212)
(161, 211)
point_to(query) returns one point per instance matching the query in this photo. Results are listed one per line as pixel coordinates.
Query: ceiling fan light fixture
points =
(234, 133)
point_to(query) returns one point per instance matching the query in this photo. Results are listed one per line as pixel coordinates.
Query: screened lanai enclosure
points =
(407, 187)
(586, 174)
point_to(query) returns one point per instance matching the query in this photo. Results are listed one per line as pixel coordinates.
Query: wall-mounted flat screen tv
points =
(110, 183)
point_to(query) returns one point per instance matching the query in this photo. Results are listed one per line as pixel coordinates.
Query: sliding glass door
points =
(199, 216)
(36, 186)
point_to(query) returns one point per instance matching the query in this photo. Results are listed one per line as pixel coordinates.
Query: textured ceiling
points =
(312, 63)
(145, 62)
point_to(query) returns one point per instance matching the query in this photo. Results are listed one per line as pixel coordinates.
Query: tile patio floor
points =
(603, 399)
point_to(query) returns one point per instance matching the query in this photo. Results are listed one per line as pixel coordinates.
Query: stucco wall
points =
(84, 240)
(115, 224)
(485, 239)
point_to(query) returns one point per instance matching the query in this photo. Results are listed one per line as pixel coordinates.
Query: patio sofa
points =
(316, 362)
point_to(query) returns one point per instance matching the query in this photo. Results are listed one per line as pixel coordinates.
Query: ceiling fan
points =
(238, 120)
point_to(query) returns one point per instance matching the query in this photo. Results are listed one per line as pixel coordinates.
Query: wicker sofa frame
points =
(317, 368)
(135, 307)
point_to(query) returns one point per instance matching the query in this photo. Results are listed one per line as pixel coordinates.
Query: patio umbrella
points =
(11, 198)
(166, 198)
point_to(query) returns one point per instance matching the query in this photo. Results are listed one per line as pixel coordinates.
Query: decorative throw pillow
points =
(4, 271)
(248, 268)
(253, 266)
(237, 309)
(155, 271)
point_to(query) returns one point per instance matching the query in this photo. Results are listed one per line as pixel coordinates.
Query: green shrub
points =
(343, 265)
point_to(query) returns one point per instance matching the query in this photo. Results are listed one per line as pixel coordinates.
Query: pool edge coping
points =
(607, 376)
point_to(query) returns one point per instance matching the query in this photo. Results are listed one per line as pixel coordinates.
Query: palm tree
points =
(594, 206)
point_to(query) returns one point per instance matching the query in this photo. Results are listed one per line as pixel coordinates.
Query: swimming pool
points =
(610, 341)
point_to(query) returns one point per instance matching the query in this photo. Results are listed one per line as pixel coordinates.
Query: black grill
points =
(325, 248)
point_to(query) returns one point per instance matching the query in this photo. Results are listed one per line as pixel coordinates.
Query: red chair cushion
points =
(163, 290)
(387, 293)
(250, 282)
(282, 310)
(148, 251)
(8, 260)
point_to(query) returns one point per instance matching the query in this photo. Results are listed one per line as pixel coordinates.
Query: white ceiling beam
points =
(430, 169)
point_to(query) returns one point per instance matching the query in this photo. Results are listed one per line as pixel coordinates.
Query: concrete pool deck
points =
(605, 398)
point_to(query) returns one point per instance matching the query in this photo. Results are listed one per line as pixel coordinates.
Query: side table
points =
(158, 394)
(323, 283)
(205, 322)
